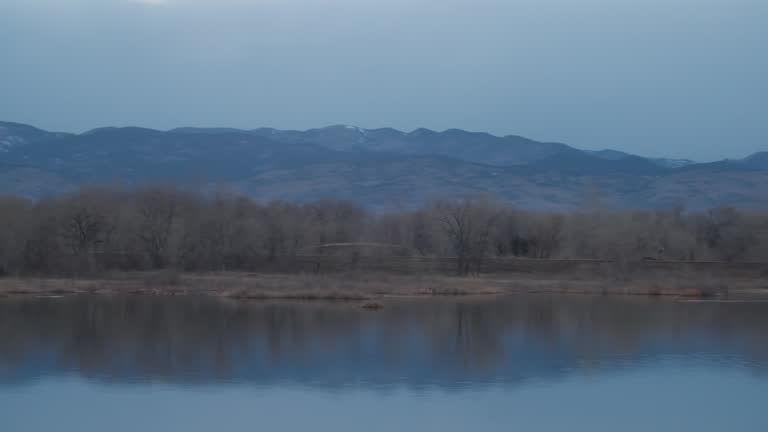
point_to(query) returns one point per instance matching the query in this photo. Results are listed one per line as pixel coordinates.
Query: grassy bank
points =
(371, 285)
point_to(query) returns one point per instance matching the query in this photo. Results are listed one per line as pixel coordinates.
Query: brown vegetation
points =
(165, 232)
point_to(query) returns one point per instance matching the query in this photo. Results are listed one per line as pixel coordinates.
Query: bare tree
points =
(156, 207)
(156, 227)
(467, 223)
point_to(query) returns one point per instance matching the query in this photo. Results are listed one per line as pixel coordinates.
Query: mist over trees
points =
(103, 228)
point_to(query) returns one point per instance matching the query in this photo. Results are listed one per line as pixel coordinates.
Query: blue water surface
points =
(529, 363)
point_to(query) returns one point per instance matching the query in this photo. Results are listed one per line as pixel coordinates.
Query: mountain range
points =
(375, 167)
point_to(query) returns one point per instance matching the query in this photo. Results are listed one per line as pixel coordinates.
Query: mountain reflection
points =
(445, 343)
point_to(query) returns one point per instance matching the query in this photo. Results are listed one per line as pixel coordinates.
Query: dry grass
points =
(359, 286)
(350, 286)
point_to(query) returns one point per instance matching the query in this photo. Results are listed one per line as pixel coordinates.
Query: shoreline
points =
(357, 286)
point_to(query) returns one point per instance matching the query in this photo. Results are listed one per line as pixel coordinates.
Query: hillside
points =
(377, 167)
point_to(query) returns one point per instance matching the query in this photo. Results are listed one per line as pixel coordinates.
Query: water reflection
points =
(417, 344)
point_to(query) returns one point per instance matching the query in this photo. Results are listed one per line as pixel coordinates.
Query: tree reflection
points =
(193, 340)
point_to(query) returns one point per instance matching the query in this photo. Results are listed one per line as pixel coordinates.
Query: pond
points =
(529, 363)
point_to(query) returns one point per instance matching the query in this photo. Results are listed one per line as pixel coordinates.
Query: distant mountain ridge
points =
(376, 167)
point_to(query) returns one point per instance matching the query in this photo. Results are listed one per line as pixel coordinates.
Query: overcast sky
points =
(676, 78)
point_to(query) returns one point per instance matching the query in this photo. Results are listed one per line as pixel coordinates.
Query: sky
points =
(672, 78)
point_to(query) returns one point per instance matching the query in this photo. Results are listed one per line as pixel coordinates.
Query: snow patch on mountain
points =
(9, 142)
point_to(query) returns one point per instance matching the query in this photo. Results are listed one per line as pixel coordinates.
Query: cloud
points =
(198, 2)
(151, 2)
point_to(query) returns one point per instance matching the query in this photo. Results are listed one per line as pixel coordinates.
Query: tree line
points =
(97, 229)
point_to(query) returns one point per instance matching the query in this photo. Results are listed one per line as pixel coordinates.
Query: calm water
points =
(531, 363)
